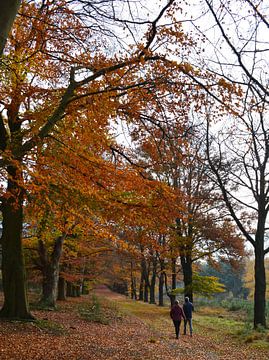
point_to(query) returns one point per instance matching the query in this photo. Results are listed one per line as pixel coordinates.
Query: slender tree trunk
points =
(133, 283)
(186, 264)
(161, 285)
(13, 269)
(260, 286)
(85, 287)
(145, 273)
(173, 281)
(161, 282)
(134, 295)
(153, 281)
(141, 287)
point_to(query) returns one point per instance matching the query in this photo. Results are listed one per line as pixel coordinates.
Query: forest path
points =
(143, 331)
(165, 346)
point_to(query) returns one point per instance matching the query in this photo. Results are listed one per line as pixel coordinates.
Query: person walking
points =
(176, 314)
(188, 309)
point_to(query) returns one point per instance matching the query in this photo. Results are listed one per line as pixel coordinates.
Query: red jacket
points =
(177, 313)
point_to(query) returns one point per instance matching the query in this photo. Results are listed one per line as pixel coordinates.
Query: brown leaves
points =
(64, 335)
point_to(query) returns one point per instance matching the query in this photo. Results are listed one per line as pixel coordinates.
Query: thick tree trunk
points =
(186, 264)
(69, 289)
(50, 286)
(8, 12)
(260, 287)
(13, 269)
(61, 288)
(50, 271)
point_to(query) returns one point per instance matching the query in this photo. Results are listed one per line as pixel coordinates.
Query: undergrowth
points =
(50, 327)
(103, 312)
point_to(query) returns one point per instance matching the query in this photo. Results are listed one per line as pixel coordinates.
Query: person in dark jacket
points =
(188, 309)
(177, 314)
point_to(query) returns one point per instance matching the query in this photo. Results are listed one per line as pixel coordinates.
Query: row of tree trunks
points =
(148, 278)
(69, 289)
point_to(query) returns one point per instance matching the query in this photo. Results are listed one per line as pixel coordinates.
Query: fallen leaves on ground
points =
(127, 338)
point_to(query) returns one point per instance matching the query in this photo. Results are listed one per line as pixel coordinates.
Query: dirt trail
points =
(196, 347)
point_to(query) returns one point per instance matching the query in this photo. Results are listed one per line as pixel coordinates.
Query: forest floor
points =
(126, 330)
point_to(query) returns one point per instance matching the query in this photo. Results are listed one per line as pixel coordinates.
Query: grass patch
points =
(103, 312)
(234, 321)
(155, 316)
(50, 327)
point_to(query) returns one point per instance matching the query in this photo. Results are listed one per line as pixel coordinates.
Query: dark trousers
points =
(177, 327)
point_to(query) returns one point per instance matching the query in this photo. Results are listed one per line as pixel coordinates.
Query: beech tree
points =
(201, 227)
(54, 67)
(234, 80)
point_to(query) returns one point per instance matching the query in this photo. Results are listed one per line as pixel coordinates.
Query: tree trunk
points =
(161, 285)
(77, 290)
(153, 281)
(260, 286)
(49, 287)
(145, 273)
(8, 12)
(186, 264)
(161, 279)
(61, 288)
(146, 292)
(174, 281)
(13, 269)
(141, 287)
(69, 289)
(50, 271)
(133, 284)
(85, 287)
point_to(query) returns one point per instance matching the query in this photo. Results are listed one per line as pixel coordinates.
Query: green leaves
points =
(202, 285)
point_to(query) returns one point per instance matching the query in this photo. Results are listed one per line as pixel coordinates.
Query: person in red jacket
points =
(177, 314)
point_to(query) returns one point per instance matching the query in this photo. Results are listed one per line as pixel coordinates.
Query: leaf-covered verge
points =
(105, 325)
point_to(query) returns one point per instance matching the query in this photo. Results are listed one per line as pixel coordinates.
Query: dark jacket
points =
(188, 309)
(177, 313)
